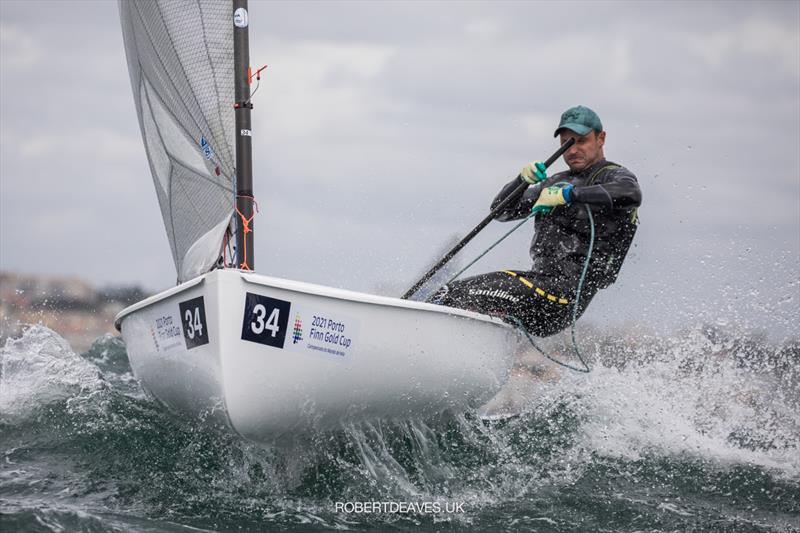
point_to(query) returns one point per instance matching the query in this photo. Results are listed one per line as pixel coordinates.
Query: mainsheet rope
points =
(518, 322)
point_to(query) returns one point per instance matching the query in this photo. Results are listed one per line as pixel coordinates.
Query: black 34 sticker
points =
(265, 320)
(193, 321)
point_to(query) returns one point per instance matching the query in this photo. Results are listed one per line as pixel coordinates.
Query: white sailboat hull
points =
(271, 356)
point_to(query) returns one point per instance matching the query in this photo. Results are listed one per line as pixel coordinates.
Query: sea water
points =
(684, 433)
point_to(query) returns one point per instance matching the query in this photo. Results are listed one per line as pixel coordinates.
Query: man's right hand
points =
(534, 172)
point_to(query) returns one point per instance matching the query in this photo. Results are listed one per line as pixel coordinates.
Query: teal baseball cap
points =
(579, 119)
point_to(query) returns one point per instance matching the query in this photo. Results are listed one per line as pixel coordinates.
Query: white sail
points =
(180, 59)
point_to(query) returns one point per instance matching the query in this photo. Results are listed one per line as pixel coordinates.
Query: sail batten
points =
(181, 64)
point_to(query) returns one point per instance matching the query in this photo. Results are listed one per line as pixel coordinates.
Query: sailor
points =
(542, 298)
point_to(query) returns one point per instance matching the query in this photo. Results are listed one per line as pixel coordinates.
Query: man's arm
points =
(521, 205)
(618, 190)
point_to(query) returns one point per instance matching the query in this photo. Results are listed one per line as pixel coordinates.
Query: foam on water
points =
(80, 436)
(39, 368)
(721, 413)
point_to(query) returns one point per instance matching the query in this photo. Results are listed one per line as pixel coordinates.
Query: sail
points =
(180, 59)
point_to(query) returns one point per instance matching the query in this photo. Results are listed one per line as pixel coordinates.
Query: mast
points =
(244, 147)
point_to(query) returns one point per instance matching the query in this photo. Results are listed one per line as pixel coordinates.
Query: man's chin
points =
(577, 167)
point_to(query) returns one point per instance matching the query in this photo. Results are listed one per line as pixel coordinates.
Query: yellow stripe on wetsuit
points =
(537, 290)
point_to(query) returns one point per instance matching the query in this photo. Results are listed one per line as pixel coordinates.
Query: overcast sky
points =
(383, 130)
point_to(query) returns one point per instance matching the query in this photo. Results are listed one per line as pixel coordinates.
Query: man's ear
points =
(601, 137)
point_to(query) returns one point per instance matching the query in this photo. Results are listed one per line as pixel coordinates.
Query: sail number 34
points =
(193, 320)
(258, 325)
(265, 320)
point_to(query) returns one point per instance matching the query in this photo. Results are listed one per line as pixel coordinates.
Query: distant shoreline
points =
(70, 306)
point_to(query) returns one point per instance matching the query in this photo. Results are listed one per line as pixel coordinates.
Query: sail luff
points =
(180, 58)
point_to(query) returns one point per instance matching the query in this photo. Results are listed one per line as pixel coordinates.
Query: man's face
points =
(587, 150)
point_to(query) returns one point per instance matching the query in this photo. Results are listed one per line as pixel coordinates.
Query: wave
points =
(677, 431)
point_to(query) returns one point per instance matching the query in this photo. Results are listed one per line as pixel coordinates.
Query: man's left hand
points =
(552, 197)
(533, 172)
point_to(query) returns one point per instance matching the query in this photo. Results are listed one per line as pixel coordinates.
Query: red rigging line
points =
(258, 74)
(246, 227)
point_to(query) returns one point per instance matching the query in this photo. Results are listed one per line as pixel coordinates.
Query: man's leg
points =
(509, 293)
(491, 294)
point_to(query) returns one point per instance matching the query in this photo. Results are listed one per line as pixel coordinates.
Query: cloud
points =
(767, 40)
(382, 129)
(315, 87)
(484, 28)
(18, 49)
(101, 144)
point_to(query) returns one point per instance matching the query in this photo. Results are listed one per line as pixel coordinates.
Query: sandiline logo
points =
(297, 334)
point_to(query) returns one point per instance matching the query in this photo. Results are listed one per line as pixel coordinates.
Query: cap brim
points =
(580, 129)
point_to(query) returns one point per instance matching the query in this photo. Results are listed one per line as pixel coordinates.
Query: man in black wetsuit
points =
(542, 298)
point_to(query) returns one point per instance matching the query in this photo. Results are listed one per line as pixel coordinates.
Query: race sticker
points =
(193, 320)
(166, 333)
(265, 320)
(323, 332)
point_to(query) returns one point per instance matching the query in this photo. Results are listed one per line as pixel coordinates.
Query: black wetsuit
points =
(542, 297)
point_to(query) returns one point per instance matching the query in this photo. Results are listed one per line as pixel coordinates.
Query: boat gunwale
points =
(313, 289)
(150, 300)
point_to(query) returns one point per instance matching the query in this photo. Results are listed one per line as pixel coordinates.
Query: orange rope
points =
(246, 228)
